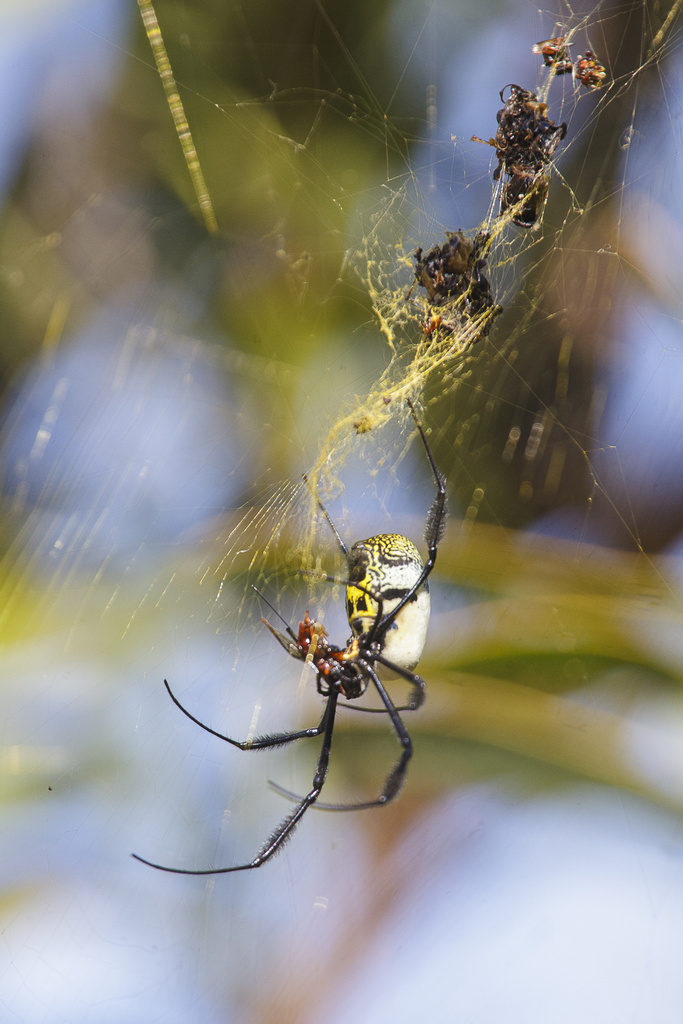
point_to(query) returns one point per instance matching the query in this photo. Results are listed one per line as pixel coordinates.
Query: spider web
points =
(191, 330)
(553, 445)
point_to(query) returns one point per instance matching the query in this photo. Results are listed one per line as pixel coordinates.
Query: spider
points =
(587, 69)
(387, 605)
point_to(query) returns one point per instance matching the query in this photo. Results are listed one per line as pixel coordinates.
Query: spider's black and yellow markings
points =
(387, 602)
(389, 565)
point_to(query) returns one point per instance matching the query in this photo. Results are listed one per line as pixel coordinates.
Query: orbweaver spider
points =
(387, 604)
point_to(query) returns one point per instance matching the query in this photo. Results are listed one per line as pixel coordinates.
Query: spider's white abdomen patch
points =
(405, 639)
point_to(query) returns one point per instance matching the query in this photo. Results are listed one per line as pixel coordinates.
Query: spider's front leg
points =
(278, 739)
(435, 522)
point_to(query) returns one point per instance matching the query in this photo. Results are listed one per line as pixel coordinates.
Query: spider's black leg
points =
(434, 528)
(342, 581)
(260, 742)
(285, 829)
(290, 632)
(377, 598)
(418, 695)
(335, 531)
(377, 711)
(394, 781)
(418, 683)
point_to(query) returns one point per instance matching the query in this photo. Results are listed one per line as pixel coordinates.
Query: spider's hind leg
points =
(396, 777)
(285, 829)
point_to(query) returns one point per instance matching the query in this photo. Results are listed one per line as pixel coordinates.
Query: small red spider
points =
(589, 71)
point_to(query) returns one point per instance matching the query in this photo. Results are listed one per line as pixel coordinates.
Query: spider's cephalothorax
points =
(387, 601)
(336, 667)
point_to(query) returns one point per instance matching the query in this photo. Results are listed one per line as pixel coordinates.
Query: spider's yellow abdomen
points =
(387, 566)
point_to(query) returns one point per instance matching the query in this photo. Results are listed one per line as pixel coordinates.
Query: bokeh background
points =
(163, 389)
